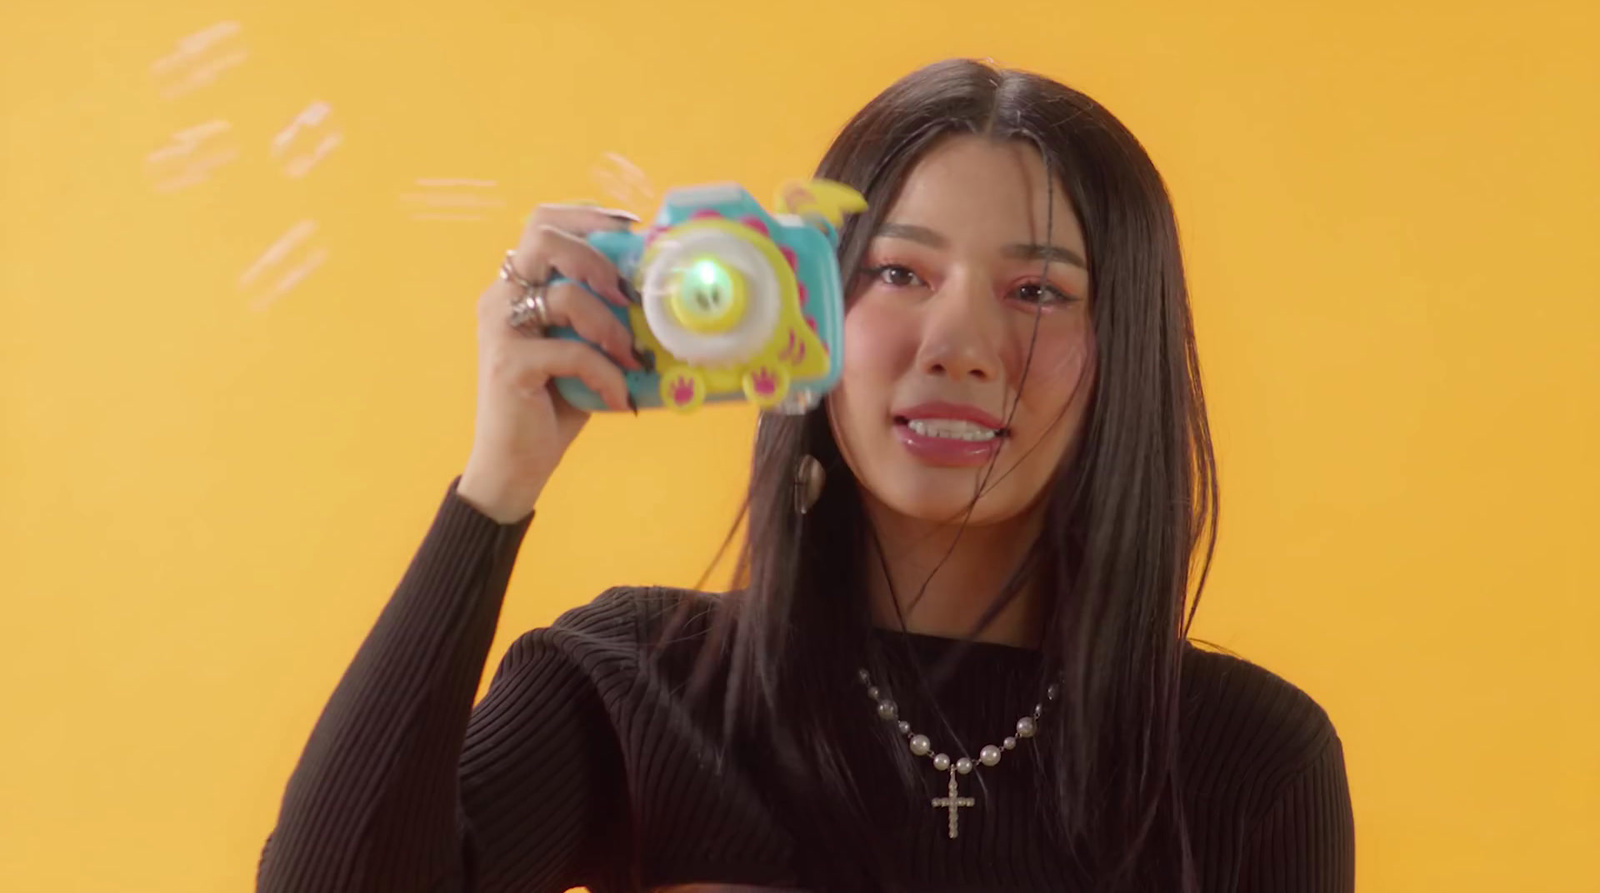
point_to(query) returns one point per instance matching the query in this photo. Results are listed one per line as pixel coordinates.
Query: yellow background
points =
(206, 495)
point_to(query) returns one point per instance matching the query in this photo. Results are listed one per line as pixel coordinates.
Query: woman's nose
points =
(960, 334)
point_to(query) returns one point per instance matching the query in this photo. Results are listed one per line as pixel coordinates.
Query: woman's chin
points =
(928, 499)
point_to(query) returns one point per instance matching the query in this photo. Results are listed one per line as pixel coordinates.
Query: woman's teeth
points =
(954, 429)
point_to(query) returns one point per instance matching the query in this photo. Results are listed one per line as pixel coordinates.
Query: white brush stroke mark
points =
(623, 180)
(184, 141)
(205, 74)
(194, 44)
(450, 199)
(280, 249)
(314, 115)
(186, 62)
(452, 182)
(453, 200)
(190, 156)
(309, 117)
(301, 166)
(289, 280)
(197, 172)
(448, 218)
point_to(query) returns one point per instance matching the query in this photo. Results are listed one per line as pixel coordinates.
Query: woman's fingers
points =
(554, 242)
(573, 307)
(582, 218)
(551, 358)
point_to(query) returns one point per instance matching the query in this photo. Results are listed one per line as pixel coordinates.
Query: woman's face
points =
(946, 311)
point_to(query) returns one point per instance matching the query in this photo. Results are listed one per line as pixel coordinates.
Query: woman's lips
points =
(972, 436)
(950, 452)
(960, 412)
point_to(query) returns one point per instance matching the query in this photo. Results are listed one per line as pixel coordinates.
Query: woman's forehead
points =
(971, 188)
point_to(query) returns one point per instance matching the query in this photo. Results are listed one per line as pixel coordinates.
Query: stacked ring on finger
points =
(530, 315)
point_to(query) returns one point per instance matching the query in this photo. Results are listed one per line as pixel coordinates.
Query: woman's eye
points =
(894, 275)
(1041, 293)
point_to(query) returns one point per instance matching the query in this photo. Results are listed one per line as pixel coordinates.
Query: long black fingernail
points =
(633, 404)
(628, 291)
(646, 359)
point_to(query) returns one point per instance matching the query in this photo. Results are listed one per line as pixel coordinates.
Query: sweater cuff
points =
(459, 512)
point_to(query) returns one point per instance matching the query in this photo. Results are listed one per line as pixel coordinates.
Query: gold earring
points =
(809, 477)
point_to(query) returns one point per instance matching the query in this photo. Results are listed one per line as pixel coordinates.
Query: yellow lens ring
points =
(724, 334)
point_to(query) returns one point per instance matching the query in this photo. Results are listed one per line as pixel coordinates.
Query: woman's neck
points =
(945, 577)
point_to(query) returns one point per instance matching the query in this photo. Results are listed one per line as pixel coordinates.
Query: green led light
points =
(710, 297)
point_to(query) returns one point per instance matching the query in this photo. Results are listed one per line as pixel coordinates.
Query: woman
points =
(958, 659)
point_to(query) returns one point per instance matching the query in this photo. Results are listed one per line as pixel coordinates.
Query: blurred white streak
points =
(196, 43)
(301, 166)
(624, 182)
(289, 280)
(197, 173)
(447, 182)
(452, 199)
(204, 75)
(197, 60)
(190, 156)
(184, 141)
(277, 255)
(310, 118)
(286, 243)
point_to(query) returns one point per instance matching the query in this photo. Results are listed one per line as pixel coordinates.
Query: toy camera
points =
(734, 302)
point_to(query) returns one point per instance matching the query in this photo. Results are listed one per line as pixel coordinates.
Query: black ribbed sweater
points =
(582, 767)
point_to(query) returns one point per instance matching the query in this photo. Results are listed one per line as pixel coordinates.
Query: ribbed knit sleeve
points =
(403, 786)
(1305, 842)
(1267, 801)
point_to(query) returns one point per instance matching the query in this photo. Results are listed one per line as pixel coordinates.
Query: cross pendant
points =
(953, 802)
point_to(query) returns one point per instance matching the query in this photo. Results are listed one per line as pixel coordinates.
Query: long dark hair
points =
(1132, 512)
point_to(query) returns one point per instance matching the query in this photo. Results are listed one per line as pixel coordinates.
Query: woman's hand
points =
(522, 426)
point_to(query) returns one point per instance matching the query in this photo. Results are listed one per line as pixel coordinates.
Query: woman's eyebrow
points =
(1053, 253)
(911, 234)
(925, 236)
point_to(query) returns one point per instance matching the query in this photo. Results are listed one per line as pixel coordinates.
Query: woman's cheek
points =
(1060, 370)
(876, 344)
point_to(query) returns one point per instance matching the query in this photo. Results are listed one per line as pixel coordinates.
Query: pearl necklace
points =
(988, 755)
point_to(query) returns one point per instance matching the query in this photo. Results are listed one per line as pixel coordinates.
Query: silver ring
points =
(530, 315)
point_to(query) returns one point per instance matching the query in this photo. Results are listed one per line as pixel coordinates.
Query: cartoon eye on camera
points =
(726, 302)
